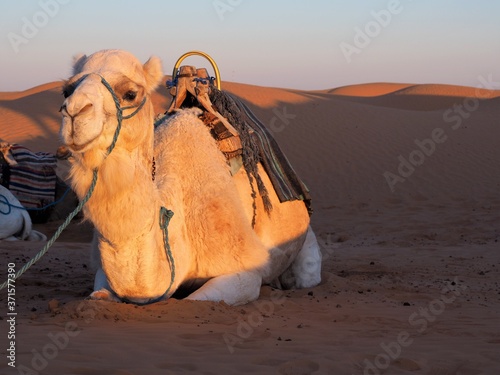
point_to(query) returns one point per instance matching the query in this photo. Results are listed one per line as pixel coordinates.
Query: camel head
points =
(89, 111)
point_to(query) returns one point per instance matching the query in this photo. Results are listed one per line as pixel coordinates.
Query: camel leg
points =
(102, 290)
(307, 266)
(305, 271)
(36, 236)
(10, 238)
(234, 289)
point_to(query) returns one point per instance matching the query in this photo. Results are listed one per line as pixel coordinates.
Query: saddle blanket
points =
(286, 182)
(33, 180)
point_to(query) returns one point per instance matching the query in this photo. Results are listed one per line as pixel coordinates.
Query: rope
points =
(172, 82)
(41, 253)
(119, 113)
(3, 199)
(56, 235)
(205, 80)
(165, 216)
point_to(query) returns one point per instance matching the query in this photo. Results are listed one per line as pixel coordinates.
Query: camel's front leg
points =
(102, 290)
(234, 289)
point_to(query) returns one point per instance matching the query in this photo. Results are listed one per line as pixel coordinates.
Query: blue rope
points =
(171, 83)
(3, 199)
(204, 80)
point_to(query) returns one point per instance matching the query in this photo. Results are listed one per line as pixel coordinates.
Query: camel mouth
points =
(80, 148)
(75, 148)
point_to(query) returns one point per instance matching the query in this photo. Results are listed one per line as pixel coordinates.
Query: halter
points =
(165, 214)
(119, 111)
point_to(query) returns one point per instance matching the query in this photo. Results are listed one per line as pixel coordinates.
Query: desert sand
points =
(405, 184)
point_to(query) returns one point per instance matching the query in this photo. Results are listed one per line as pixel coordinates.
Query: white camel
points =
(215, 254)
(15, 222)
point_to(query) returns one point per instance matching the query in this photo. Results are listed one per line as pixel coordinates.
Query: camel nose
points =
(75, 110)
(86, 108)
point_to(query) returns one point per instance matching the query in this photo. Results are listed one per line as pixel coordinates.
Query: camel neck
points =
(125, 211)
(125, 194)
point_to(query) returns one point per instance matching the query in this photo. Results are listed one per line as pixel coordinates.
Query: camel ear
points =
(78, 62)
(153, 72)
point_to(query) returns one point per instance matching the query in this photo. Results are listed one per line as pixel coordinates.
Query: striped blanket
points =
(33, 180)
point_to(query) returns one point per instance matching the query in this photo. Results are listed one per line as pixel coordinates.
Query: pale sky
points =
(298, 44)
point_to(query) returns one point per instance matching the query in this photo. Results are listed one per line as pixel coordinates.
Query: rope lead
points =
(58, 232)
(165, 216)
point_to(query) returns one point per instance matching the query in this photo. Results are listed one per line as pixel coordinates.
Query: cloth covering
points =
(33, 180)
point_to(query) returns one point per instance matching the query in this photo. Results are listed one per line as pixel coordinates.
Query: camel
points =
(209, 251)
(15, 222)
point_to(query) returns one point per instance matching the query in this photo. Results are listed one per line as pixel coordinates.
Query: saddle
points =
(191, 87)
(240, 135)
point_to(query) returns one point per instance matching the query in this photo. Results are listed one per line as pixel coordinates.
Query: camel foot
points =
(234, 289)
(103, 295)
(307, 265)
(305, 271)
(102, 290)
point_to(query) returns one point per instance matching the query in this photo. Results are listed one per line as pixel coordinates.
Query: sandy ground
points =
(405, 183)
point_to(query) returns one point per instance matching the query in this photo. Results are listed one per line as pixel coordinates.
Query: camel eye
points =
(130, 96)
(65, 93)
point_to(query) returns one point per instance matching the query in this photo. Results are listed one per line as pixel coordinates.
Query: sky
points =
(300, 44)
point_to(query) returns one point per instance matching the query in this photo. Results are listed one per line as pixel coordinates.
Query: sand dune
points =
(405, 188)
(368, 89)
(446, 90)
(13, 95)
(424, 97)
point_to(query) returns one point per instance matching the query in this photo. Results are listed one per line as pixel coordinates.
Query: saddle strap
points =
(229, 144)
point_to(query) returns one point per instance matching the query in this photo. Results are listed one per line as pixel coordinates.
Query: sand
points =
(411, 254)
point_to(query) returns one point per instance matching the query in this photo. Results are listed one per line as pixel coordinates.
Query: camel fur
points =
(218, 256)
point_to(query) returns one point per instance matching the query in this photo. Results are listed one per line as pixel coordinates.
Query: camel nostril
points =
(63, 108)
(86, 108)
